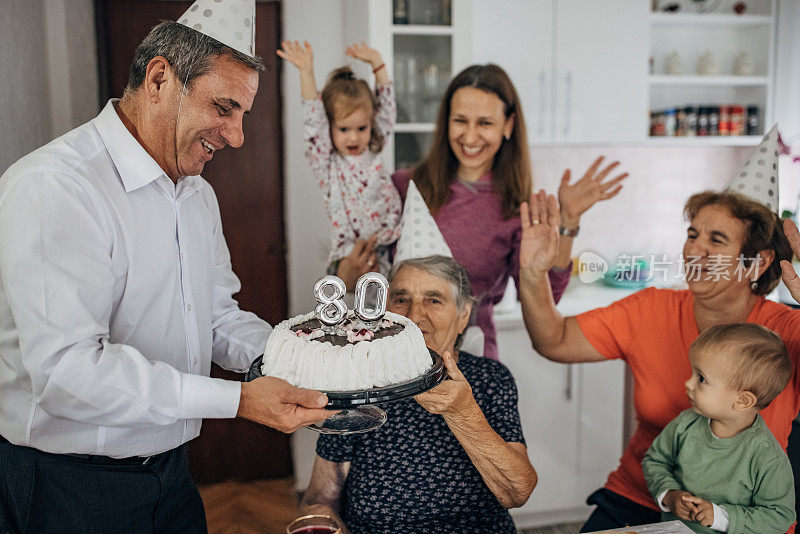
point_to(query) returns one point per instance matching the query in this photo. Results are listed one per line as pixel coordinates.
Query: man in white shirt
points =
(116, 295)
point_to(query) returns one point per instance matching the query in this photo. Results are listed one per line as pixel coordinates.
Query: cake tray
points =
(342, 400)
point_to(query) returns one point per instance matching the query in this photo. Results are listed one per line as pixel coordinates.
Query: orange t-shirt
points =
(652, 330)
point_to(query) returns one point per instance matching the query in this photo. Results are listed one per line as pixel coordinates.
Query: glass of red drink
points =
(314, 524)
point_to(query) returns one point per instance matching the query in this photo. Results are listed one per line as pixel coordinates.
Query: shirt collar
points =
(136, 167)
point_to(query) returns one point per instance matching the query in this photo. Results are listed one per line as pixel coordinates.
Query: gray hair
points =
(448, 270)
(189, 53)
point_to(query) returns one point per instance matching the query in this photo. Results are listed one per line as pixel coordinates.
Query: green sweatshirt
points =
(749, 475)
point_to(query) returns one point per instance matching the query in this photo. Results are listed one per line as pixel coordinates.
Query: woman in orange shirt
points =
(736, 245)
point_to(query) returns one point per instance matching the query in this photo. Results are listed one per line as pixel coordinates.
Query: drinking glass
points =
(314, 524)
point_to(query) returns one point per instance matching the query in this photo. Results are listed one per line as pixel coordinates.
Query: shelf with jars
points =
(425, 42)
(713, 57)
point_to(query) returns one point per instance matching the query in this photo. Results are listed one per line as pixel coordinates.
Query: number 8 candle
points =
(331, 309)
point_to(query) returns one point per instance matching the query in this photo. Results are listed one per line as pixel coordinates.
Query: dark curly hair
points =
(763, 231)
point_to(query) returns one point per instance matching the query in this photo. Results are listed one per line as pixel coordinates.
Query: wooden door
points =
(249, 185)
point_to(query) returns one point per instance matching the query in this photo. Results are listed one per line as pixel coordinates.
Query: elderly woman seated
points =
(452, 459)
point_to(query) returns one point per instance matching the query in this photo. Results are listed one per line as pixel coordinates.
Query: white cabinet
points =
(739, 54)
(580, 66)
(424, 50)
(572, 415)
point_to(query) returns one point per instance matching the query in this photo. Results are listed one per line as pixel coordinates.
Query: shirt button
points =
(195, 361)
(181, 255)
(189, 307)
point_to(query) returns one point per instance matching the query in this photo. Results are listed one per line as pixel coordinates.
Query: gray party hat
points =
(420, 235)
(231, 22)
(758, 177)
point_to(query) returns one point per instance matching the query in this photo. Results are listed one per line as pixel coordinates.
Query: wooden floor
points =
(262, 507)
(267, 506)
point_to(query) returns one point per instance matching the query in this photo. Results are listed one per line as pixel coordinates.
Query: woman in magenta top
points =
(475, 176)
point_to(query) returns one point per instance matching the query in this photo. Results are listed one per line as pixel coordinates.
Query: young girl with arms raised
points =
(346, 127)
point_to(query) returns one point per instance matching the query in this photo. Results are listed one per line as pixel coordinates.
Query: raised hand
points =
(790, 277)
(452, 397)
(364, 53)
(369, 55)
(299, 55)
(540, 219)
(302, 57)
(576, 198)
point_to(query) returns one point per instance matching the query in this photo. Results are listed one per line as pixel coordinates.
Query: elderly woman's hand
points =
(790, 277)
(576, 198)
(540, 220)
(451, 397)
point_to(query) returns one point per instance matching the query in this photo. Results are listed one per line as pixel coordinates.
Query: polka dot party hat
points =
(758, 177)
(420, 235)
(231, 22)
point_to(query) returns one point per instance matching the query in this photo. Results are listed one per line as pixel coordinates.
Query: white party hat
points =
(758, 177)
(231, 22)
(420, 235)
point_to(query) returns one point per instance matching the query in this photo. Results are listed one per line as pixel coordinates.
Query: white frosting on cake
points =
(312, 364)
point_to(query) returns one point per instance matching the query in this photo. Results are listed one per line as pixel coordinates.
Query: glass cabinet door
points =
(409, 148)
(422, 67)
(425, 12)
(422, 44)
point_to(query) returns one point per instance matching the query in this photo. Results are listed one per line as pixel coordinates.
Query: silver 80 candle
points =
(331, 309)
(374, 310)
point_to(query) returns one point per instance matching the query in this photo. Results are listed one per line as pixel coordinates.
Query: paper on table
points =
(668, 527)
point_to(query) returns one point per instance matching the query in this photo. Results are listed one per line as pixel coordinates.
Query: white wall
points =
(48, 57)
(25, 120)
(307, 239)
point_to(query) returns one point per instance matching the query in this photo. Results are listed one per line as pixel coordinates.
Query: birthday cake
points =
(349, 356)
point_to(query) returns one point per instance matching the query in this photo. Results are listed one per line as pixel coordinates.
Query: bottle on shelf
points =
(447, 16)
(702, 121)
(713, 120)
(724, 120)
(737, 120)
(690, 114)
(753, 127)
(399, 11)
(669, 122)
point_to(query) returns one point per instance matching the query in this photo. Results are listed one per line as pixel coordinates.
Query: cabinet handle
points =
(542, 102)
(568, 383)
(567, 103)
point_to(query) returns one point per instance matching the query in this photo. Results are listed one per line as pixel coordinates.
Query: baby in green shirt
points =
(717, 467)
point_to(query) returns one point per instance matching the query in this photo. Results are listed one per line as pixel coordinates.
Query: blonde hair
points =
(756, 355)
(343, 94)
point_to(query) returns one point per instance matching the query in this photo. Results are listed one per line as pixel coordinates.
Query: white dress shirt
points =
(115, 296)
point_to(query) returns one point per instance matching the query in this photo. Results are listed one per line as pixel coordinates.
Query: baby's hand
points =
(703, 510)
(676, 502)
(364, 53)
(301, 56)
